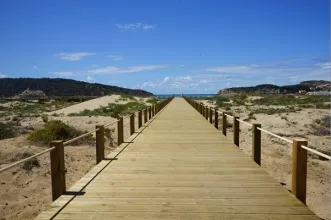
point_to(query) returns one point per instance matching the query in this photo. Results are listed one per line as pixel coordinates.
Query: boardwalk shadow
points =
(72, 193)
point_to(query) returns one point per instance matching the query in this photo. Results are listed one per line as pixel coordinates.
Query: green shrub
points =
(44, 118)
(271, 111)
(3, 108)
(6, 130)
(113, 110)
(153, 101)
(303, 101)
(239, 99)
(125, 97)
(322, 127)
(54, 130)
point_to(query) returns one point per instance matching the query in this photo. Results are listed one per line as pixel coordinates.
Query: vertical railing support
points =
(149, 113)
(211, 115)
(153, 112)
(206, 112)
(256, 143)
(120, 133)
(299, 169)
(145, 115)
(224, 123)
(236, 130)
(140, 121)
(132, 124)
(57, 169)
(216, 118)
(100, 143)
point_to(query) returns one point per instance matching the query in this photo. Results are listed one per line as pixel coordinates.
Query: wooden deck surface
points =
(178, 167)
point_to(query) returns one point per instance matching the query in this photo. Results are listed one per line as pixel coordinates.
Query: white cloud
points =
(89, 78)
(64, 73)
(35, 67)
(272, 69)
(2, 75)
(326, 65)
(117, 70)
(110, 70)
(74, 56)
(136, 26)
(115, 58)
(166, 79)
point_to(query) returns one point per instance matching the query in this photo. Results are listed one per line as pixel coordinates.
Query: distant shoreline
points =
(188, 95)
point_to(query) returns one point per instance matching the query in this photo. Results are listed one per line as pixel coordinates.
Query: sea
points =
(163, 96)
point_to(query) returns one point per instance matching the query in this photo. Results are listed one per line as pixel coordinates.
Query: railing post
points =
(57, 169)
(256, 143)
(216, 118)
(120, 134)
(140, 123)
(153, 106)
(224, 123)
(200, 109)
(132, 124)
(299, 169)
(236, 130)
(149, 113)
(211, 115)
(100, 143)
(206, 112)
(145, 115)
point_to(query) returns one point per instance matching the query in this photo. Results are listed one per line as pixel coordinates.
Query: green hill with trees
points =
(57, 87)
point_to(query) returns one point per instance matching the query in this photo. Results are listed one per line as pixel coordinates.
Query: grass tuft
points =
(6, 130)
(55, 130)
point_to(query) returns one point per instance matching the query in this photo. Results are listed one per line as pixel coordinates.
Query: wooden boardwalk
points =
(178, 166)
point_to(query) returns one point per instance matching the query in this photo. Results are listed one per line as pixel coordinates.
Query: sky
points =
(167, 47)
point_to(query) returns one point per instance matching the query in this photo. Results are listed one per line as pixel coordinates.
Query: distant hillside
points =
(10, 87)
(303, 87)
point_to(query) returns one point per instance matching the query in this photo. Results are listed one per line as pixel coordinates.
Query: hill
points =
(303, 87)
(58, 87)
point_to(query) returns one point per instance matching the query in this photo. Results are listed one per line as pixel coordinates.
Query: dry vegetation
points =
(27, 127)
(289, 117)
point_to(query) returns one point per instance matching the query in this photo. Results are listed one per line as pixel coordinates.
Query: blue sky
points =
(167, 46)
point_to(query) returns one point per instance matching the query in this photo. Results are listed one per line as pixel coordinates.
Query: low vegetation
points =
(322, 127)
(55, 130)
(33, 108)
(153, 101)
(126, 97)
(222, 102)
(27, 165)
(286, 100)
(6, 130)
(113, 110)
(272, 111)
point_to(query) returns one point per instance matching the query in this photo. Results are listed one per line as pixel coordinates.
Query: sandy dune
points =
(90, 105)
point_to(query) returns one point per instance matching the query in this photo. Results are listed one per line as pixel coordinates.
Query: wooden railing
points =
(299, 145)
(57, 147)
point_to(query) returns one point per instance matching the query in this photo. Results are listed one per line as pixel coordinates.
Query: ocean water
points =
(162, 96)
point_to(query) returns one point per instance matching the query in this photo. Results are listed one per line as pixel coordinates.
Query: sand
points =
(89, 105)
